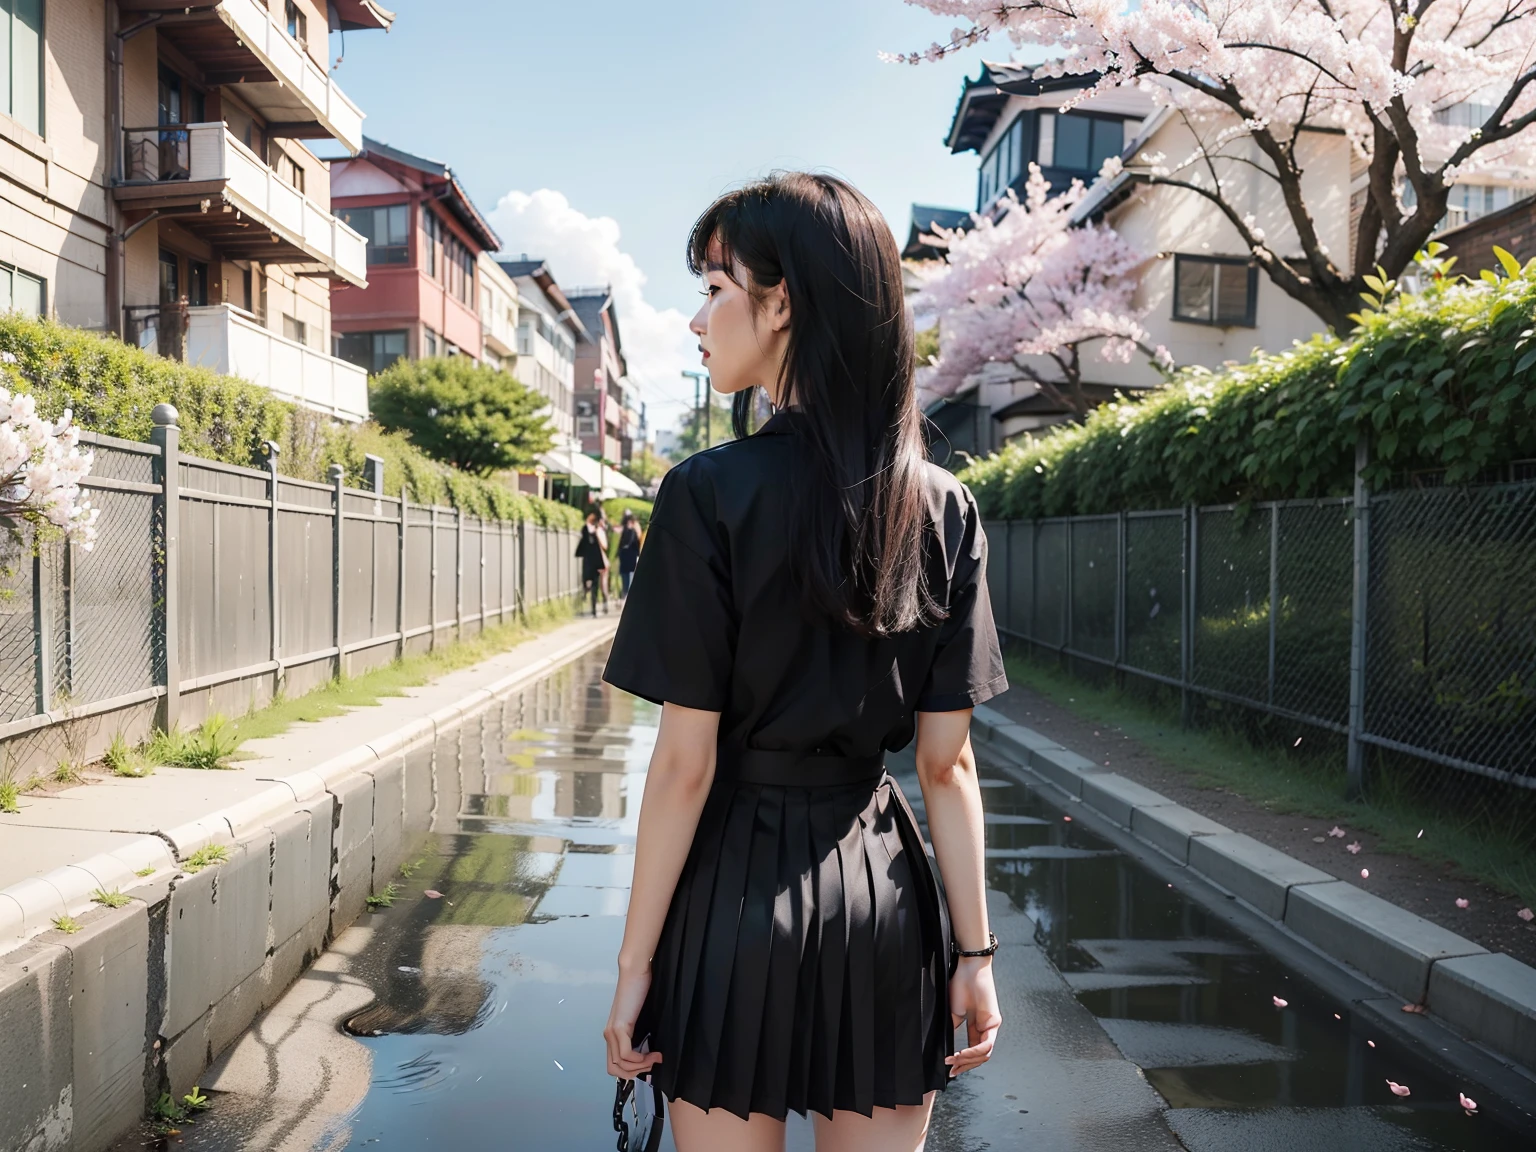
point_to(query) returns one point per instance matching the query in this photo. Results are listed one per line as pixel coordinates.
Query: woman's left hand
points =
(628, 999)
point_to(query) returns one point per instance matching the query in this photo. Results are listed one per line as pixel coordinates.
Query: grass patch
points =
(1489, 838)
(123, 759)
(67, 924)
(209, 746)
(112, 899)
(393, 679)
(67, 772)
(147, 870)
(384, 899)
(409, 870)
(205, 856)
(10, 795)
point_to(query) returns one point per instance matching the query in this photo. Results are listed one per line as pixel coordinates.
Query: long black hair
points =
(858, 491)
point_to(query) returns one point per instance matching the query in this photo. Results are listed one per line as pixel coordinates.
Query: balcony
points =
(219, 189)
(240, 42)
(230, 340)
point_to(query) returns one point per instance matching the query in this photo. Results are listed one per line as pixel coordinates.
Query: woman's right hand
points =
(973, 998)
(628, 999)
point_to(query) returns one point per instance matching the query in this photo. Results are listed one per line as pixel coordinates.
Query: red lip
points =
(706, 355)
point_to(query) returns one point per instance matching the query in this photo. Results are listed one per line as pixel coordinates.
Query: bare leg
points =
(696, 1130)
(902, 1129)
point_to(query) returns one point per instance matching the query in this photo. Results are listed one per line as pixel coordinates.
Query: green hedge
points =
(113, 387)
(615, 508)
(1445, 379)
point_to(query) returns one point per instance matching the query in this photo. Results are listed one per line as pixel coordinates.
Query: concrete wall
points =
(145, 997)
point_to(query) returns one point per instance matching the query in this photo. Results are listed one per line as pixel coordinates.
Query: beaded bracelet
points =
(987, 951)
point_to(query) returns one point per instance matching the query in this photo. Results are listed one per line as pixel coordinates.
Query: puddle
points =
(492, 972)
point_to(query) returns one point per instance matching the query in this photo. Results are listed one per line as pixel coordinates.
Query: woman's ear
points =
(776, 307)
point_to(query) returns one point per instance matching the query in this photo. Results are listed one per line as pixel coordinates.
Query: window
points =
(22, 292)
(428, 342)
(385, 229)
(21, 61)
(371, 351)
(1215, 290)
(170, 277)
(298, 23)
(288, 169)
(197, 283)
(1079, 142)
(295, 330)
(432, 228)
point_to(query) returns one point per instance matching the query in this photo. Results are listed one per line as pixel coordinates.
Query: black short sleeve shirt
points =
(713, 620)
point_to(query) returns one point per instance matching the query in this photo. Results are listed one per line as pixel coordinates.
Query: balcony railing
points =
(159, 328)
(230, 340)
(286, 59)
(207, 152)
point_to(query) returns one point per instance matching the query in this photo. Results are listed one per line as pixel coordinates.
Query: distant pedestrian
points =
(630, 541)
(592, 551)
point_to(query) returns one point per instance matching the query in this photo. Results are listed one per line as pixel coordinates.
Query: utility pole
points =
(700, 402)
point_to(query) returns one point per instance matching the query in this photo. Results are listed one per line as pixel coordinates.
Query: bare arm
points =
(946, 770)
(681, 772)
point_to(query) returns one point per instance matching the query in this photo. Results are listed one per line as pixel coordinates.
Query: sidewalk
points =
(119, 833)
(1486, 997)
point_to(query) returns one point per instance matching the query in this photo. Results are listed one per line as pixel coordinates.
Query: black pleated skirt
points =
(804, 962)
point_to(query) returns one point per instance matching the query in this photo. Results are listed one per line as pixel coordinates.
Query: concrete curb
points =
(1489, 998)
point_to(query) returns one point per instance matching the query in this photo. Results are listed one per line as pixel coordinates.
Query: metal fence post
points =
(1121, 538)
(1355, 782)
(432, 582)
(274, 578)
(1066, 599)
(166, 436)
(458, 573)
(42, 631)
(1186, 611)
(1034, 579)
(1274, 590)
(405, 522)
(1008, 575)
(338, 506)
(522, 567)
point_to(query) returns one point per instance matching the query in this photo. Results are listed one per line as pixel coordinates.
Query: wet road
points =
(468, 1015)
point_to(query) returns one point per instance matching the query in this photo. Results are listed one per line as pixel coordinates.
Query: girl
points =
(813, 596)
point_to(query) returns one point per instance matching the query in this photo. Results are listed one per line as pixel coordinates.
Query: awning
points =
(603, 479)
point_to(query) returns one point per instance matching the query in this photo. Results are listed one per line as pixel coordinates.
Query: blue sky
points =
(594, 133)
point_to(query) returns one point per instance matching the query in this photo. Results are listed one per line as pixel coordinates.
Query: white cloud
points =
(583, 251)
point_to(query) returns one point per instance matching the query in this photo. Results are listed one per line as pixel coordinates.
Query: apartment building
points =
(499, 307)
(602, 405)
(425, 238)
(547, 333)
(157, 186)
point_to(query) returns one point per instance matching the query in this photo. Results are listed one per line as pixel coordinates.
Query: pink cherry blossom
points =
(1467, 1102)
(1337, 832)
(1460, 903)
(432, 894)
(1526, 914)
(41, 467)
(1353, 849)
(1365, 873)
(1398, 1089)
(1025, 286)
(1423, 99)
(1279, 1003)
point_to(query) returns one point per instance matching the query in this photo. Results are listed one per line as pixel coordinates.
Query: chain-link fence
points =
(1429, 595)
(232, 584)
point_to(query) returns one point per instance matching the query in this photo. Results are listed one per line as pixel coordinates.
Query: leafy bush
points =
(113, 388)
(1442, 380)
(472, 416)
(614, 510)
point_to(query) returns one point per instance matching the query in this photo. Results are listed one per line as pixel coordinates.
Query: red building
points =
(424, 235)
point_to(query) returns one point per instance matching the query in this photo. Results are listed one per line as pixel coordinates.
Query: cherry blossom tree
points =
(1027, 287)
(41, 467)
(1426, 91)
